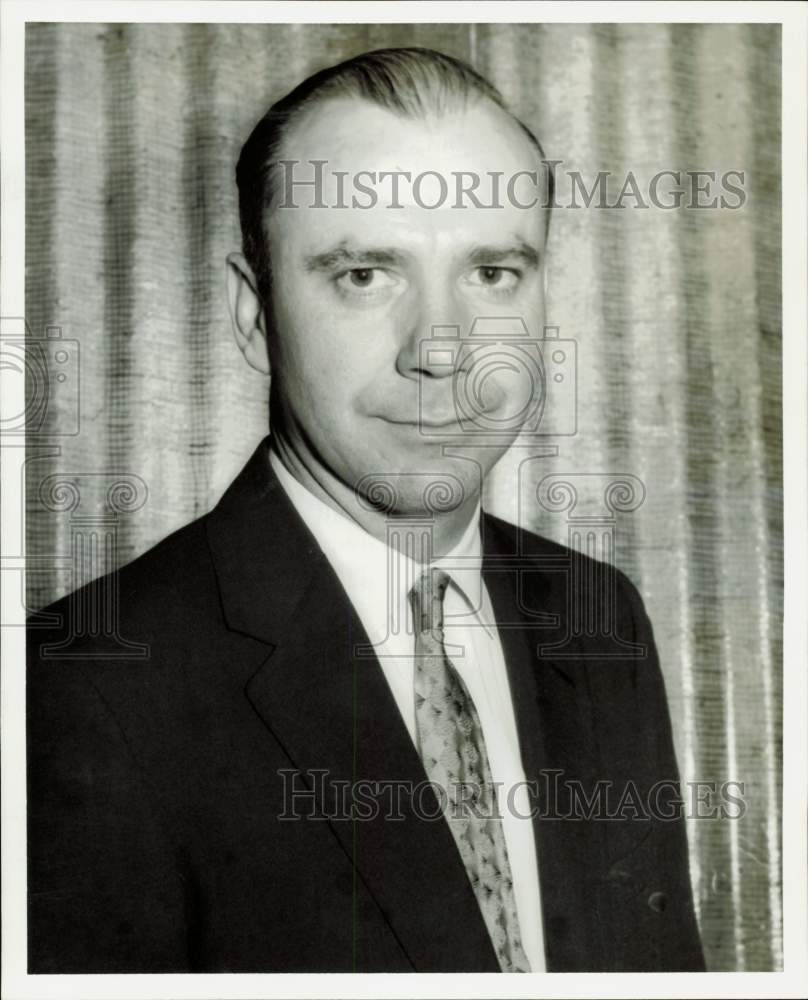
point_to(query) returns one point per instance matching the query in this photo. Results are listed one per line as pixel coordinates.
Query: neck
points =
(447, 527)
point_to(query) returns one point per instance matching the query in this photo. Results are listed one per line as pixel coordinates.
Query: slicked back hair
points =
(412, 82)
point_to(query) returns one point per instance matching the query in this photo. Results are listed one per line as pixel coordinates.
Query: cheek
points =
(302, 337)
(322, 358)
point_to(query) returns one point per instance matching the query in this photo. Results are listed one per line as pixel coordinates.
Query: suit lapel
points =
(556, 737)
(333, 711)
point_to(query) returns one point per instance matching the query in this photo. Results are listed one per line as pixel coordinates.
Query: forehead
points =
(363, 144)
(352, 133)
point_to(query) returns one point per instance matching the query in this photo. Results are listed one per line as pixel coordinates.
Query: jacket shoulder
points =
(589, 600)
(503, 538)
(163, 591)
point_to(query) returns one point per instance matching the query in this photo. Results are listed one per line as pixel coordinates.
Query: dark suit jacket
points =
(154, 792)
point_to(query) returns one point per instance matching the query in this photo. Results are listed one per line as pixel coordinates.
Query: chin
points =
(425, 487)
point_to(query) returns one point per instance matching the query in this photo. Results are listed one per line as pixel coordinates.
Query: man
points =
(355, 744)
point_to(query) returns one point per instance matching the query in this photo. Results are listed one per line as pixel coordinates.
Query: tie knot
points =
(427, 600)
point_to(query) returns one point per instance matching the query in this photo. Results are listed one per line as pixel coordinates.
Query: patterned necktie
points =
(452, 748)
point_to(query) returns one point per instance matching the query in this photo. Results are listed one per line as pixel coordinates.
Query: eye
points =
(362, 277)
(500, 278)
(364, 280)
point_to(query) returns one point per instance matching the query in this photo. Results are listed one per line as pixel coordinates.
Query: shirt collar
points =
(378, 576)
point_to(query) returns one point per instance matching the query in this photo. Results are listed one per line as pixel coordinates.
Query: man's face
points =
(357, 292)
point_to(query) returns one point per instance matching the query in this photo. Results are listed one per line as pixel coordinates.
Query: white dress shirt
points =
(377, 580)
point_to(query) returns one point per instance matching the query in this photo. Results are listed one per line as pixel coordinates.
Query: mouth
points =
(442, 424)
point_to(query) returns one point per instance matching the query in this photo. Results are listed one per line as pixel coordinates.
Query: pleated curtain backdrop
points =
(132, 136)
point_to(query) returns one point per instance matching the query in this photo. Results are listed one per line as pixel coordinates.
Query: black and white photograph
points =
(404, 499)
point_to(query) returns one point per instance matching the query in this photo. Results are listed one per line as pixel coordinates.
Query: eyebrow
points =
(349, 255)
(346, 255)
(493, 255)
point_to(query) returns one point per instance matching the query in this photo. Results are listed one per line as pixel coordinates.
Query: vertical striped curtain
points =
(132, 132)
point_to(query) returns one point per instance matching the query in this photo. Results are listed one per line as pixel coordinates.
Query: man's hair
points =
(412, 82)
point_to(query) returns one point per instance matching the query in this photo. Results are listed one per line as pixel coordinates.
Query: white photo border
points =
(793, 980)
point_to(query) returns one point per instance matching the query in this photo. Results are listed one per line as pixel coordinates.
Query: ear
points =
(247, 313)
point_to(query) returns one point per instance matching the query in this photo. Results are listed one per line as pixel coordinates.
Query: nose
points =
(431, 322)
